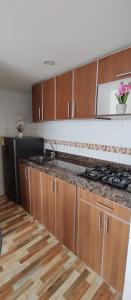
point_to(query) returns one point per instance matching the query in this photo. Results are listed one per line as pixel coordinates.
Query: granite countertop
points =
(67, 170)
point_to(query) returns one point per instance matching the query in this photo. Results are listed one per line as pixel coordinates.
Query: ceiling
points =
(71, 32)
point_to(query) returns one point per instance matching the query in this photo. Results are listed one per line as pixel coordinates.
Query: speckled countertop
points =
(67, 170)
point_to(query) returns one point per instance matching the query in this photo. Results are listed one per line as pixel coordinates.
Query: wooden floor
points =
(34, 265)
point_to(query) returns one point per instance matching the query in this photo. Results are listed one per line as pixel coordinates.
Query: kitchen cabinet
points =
(49, 99)
(37, 102)
(48, 202)
(84, 105)
(72, 95)
(102, 236)
(35, 193)
(65, 213)
(90, 235)
(115, 66)
(64, 96)
(93, 227)
(24, 187)
(116, 238)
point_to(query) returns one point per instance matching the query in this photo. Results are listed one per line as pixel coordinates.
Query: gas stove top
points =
(120, 179)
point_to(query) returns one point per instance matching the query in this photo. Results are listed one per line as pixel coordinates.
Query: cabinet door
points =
(85, 91)
(37, 103)
(48, 202)
(24, 187)
(64, 95)
(116, 238)
(90, 235)
(49, 99)
(65, 213)
(35, 193)
(113, 66)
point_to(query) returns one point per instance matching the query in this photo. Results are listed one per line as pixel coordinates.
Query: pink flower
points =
(121, 89)
(128, 87)
(124, 89)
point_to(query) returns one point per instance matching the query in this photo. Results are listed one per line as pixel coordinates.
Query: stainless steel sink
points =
(40, 159)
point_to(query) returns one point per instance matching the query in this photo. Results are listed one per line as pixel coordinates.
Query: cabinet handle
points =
(39, 113)
(52, 185)
(56, 186)
(104, 205)
(68, 109)
(73, 109)
(26, 173)
(107, 225)
(100, 221)
(123, 74)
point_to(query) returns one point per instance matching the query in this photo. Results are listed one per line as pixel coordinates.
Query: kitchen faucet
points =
(52, 152)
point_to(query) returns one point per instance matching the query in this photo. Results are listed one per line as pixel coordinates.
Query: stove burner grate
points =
(120, 179)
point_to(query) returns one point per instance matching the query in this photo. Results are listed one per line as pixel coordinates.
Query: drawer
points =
(105, 204)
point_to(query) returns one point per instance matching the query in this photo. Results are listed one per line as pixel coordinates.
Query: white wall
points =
(105, 132)
(11, 103)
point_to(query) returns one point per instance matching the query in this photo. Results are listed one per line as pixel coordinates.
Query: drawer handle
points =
(123, 74)
(104, 205)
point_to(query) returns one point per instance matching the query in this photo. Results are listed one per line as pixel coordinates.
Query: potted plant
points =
(122, 96)
(20, 126)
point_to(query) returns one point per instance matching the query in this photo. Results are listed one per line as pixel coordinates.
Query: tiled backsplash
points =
(105, 148)
(102, 139)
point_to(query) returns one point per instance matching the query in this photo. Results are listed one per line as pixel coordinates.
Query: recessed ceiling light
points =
(49, 62)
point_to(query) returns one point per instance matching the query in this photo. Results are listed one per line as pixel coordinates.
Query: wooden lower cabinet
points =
(101, 236)
(102, 239)
(65, 213)
(35, 193)
(90, 235)
(48, 202)
(116, 237)
(24, 187)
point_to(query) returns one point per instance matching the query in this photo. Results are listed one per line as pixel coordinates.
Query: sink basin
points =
(41, 159)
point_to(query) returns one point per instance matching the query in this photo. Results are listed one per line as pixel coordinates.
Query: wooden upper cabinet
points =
(85, 91)
(24, 187)
(65, 213)
(37, 102)
(64, 95)
(35, 193)
(116, 238)
(115, 66)
(48, 202)
(49, 99)
(90, 235)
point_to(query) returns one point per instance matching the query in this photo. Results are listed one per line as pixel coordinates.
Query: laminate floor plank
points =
(34, 265)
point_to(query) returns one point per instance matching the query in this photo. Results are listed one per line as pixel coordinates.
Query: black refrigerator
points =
(12, 150)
